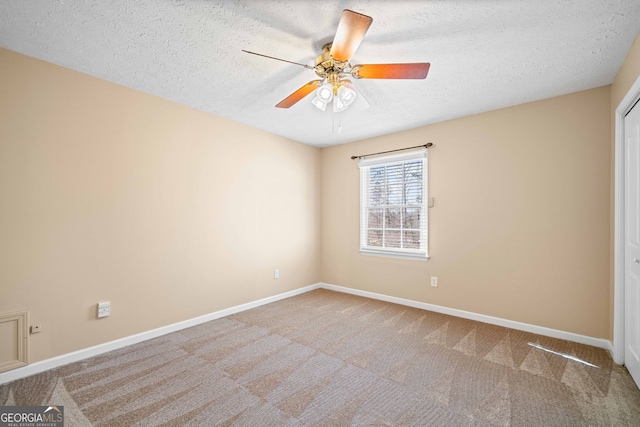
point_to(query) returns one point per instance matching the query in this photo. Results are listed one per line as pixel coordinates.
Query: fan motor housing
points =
(326, 64)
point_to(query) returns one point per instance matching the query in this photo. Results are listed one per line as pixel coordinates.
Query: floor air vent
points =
(14, 340)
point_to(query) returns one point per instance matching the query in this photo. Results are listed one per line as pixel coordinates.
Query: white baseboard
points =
(85, 353)
(612, 351)
(75, 356)
(526, 327)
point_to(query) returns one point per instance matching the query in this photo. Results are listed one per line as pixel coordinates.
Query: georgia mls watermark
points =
(31, 416)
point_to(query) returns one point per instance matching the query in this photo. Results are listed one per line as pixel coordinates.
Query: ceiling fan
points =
(333, 67)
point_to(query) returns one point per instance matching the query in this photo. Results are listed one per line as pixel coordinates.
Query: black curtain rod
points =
(427, 145)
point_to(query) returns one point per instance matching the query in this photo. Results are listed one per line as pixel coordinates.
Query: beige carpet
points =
(331, 359)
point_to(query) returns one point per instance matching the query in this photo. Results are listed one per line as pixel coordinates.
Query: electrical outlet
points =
(276, 274)
(37, 328)
(434, 281)
(104, 309)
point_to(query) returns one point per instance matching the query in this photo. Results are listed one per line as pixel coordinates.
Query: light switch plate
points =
(104, 309)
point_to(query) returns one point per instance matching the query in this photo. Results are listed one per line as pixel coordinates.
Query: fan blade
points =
(299, 94)
(416, 70)
(278, 59)
(349, 34)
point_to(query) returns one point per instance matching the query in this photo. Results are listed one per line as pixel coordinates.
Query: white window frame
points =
(365, 165)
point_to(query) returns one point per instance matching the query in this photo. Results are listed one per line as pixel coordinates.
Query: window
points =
(393, 205)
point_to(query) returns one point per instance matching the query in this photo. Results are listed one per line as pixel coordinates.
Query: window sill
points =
(419, 256)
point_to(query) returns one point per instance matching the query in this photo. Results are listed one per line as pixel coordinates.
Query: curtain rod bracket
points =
(427, 145)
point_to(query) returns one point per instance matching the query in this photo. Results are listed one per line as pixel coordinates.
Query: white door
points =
(632, 242)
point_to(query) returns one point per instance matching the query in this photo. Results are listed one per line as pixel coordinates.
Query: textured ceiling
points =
(484, 54)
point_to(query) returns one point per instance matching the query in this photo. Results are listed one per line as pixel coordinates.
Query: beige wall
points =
(627, 75)
(169, 213)
(520, 227)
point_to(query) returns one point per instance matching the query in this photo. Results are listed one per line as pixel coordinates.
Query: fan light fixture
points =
(319, 103)
(325, 93)
(341, 95)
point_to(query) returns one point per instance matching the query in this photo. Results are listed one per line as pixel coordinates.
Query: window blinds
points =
(393, 205)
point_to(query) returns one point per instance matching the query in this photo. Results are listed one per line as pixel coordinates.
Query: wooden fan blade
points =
(299, 94)
(416, 70)
(278, 59)
(349, 34)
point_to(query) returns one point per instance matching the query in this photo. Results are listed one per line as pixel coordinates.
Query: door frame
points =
(629, 100)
